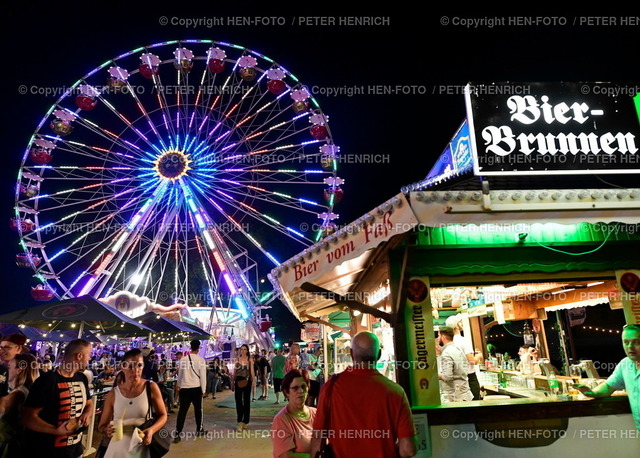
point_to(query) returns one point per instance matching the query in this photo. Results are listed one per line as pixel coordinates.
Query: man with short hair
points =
(150, 370)
(270, 356)
(368, 412)
(454, 381)
(626, 375)
(263, 365)
(277, 367)
(315, 377)
(473, 358)
(58, 407)
(304, 359)
(107, 375)
(191, 387)
(46, 365)
(51, 355)
(179, 356)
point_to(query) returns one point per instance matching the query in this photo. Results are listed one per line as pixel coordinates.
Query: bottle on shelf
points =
(502, 379)
(554, 384)
(527, 334)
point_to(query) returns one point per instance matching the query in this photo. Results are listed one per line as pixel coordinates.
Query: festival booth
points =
(513, 224)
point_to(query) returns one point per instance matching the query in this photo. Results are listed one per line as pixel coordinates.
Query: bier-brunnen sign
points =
(561, 128)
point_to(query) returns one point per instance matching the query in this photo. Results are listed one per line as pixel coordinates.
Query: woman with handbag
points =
(293, 426)
(243, 379)
(130, 402)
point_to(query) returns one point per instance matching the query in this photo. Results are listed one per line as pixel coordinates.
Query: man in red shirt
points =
(366, 411)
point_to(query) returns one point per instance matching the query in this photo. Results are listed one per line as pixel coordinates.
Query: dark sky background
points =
(425, 58)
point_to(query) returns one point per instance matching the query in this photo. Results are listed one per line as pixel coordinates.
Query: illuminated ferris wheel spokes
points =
(175, 176)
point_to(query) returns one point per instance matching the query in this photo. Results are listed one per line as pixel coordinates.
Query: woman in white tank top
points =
(129, 401)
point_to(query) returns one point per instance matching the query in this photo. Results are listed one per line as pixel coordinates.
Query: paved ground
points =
(222, 439)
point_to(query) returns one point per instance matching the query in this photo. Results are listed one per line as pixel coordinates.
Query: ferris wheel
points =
(182, 170)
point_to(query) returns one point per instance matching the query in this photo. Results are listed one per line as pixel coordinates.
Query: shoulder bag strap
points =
(191, 364)
(150, 410)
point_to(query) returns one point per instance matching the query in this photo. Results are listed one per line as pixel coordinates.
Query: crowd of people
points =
(46, 400)
(55, 403)
(44, 411)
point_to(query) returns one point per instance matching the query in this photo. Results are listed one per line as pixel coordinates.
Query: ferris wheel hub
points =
(172, 164)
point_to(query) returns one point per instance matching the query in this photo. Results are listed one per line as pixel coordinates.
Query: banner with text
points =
(376, 227)
(553, 128)
(421, 349)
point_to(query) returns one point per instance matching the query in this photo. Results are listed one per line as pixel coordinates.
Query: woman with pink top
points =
(293, 425)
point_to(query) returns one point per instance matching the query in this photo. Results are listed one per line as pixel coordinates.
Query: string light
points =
(612, 331)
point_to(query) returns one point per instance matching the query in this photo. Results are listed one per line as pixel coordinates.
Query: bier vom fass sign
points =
(554, 128)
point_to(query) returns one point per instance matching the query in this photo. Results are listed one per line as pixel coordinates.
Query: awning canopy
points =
(340, 280)
(339, 262)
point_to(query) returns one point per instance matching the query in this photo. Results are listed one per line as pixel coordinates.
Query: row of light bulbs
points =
(595, 194)
(593, 328)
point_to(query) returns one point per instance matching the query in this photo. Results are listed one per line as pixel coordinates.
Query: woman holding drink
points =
(126, 407)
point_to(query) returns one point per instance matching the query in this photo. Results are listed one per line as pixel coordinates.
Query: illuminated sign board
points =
(553, 128)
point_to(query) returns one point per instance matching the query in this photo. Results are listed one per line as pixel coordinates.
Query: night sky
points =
(392, 89)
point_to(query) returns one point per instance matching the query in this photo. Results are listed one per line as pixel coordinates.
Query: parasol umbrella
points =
(198, 332)
(159, 323)
(40, 335)
(162, 324)
(37, 334)
(66, 336)
(76, 314)
(29, 332)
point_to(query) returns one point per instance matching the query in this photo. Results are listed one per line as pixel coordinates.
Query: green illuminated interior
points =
(539, 247)
(526, 234)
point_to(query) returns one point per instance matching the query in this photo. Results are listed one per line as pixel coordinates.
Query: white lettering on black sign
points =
(557, 127)
(526, 110)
